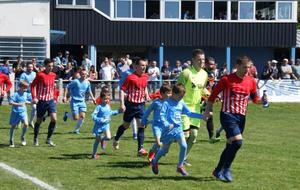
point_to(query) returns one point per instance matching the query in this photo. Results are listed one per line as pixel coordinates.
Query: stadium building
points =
(262, 29)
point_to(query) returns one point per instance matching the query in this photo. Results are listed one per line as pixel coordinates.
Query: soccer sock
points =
(232, 150)
(191, 140)
(33, 112)
(11, 134)
(70, 116)
(120, 132)
(36, 129)
(210, 127)
(134, 127)
(95, 147)
(24, 130)
(222, 158)
(140, 138)
(51, 128)
(182, 152)
(79, 124)
(161, 152)
(155, 148)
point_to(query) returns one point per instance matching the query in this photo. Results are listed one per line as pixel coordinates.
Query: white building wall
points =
(25, 18)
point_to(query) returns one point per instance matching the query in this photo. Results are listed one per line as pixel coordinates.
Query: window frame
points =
(277, 11)
(253, 11)
(130, 17)
(179, 9)
(197, 10)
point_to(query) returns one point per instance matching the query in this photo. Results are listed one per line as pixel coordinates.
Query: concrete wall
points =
(25, 18)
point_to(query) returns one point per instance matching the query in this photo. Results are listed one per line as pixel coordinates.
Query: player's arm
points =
(8, 86)
(12, 101)
(146, 114)
(91, 93)
(98, 119)
(163, 116)
(33, 88)
(186, 111)
(254, 95)
(122, 94)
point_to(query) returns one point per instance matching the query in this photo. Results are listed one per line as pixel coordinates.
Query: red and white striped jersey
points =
(5, 84)
(42, 87)
(135, 86)
(236, 93)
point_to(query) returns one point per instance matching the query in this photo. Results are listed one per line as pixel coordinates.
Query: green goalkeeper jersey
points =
(194, 82)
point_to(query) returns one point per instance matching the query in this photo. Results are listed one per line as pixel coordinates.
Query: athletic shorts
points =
(77, 107)
(17, 117)
(98, 130)
(156, 131)
(133, 110)
(232, 123)
(45, 106)
(169, 136)
(187, 122)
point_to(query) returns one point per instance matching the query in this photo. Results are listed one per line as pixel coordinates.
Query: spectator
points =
(252, 71)
(122, 67)
(296, 68)
(73, 61)
(93, 76)
(165, 70)
(18, 70)
(128, 60)
(267, 72)
(5, 68)
(153, 73)
(286, 70)
(223, 71)
(275, 71)
(65, 59)
(58, 59)
(86, 62)
(186, 64)
(177, 70)
(68, 71)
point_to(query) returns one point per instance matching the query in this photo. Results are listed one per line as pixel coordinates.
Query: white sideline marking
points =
(25, 176)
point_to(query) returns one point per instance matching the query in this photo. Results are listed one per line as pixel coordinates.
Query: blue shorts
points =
(77, 107)
(17, 117)
(45, 106)
(169, 136)
(156, 131)
(133, 110)
(232, 123)
(98, 130)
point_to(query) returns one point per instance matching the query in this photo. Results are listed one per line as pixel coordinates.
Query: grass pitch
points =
(269, 158)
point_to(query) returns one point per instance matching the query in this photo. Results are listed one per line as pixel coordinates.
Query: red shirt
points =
(155, 95)
(56, 95)
(42, 87)
(236, 92)
(5, 84)
(98, 101)
(135, 86)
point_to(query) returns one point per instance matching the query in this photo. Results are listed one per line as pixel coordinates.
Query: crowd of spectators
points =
(110, 71)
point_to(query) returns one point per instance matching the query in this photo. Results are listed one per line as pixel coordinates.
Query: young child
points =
(165, 92)
(101, 117)
(19, 112)
(170, 114)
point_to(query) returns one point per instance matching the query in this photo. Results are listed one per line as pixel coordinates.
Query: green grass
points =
(269, 158)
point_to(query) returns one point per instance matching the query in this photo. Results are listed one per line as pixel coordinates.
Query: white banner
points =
(280, 90)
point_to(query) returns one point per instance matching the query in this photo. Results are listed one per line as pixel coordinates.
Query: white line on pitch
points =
(25, 176)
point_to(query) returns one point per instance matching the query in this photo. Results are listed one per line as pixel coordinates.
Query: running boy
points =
(19, 112)
(170, 115)
(101, 117)
(165, 92)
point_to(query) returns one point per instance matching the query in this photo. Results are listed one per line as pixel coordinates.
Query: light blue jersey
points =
(28, 77)
(101, 117)
(78, 89)
(171, 114)
(18, 113)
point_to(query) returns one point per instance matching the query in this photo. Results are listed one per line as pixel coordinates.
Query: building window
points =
(285, 10)
(123, 9)
(246, 10)
(205, 10)
(65, 2)
(172, 9)
(220, 10)
(152, 9)
(103, 6)
(138, 8)
(187, 10)
(234, 10)
(82, 2)
(265, 11)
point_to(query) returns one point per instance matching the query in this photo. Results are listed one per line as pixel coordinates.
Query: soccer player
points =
(237, 88)
(19, 112)
(42, 92)
(165, 92)
(194, 79)
(5, 86)
(170, 114)
(101, 117)
(134, 106)
(78, 88)
(28, 77)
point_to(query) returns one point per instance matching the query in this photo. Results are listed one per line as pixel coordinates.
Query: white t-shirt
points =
(153, 72)
(107, 72)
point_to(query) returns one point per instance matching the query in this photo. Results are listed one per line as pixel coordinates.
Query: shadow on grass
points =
(130, 164)
(77, 156)
(81, 138)
(175, 178)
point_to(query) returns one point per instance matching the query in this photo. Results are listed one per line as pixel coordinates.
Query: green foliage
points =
(269, 158)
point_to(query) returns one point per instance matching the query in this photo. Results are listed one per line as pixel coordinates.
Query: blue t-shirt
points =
(102, 114)
(28, 77)
(78, 89)
(171, 113)
(124, 76)
(156, 108)
(19, 97)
